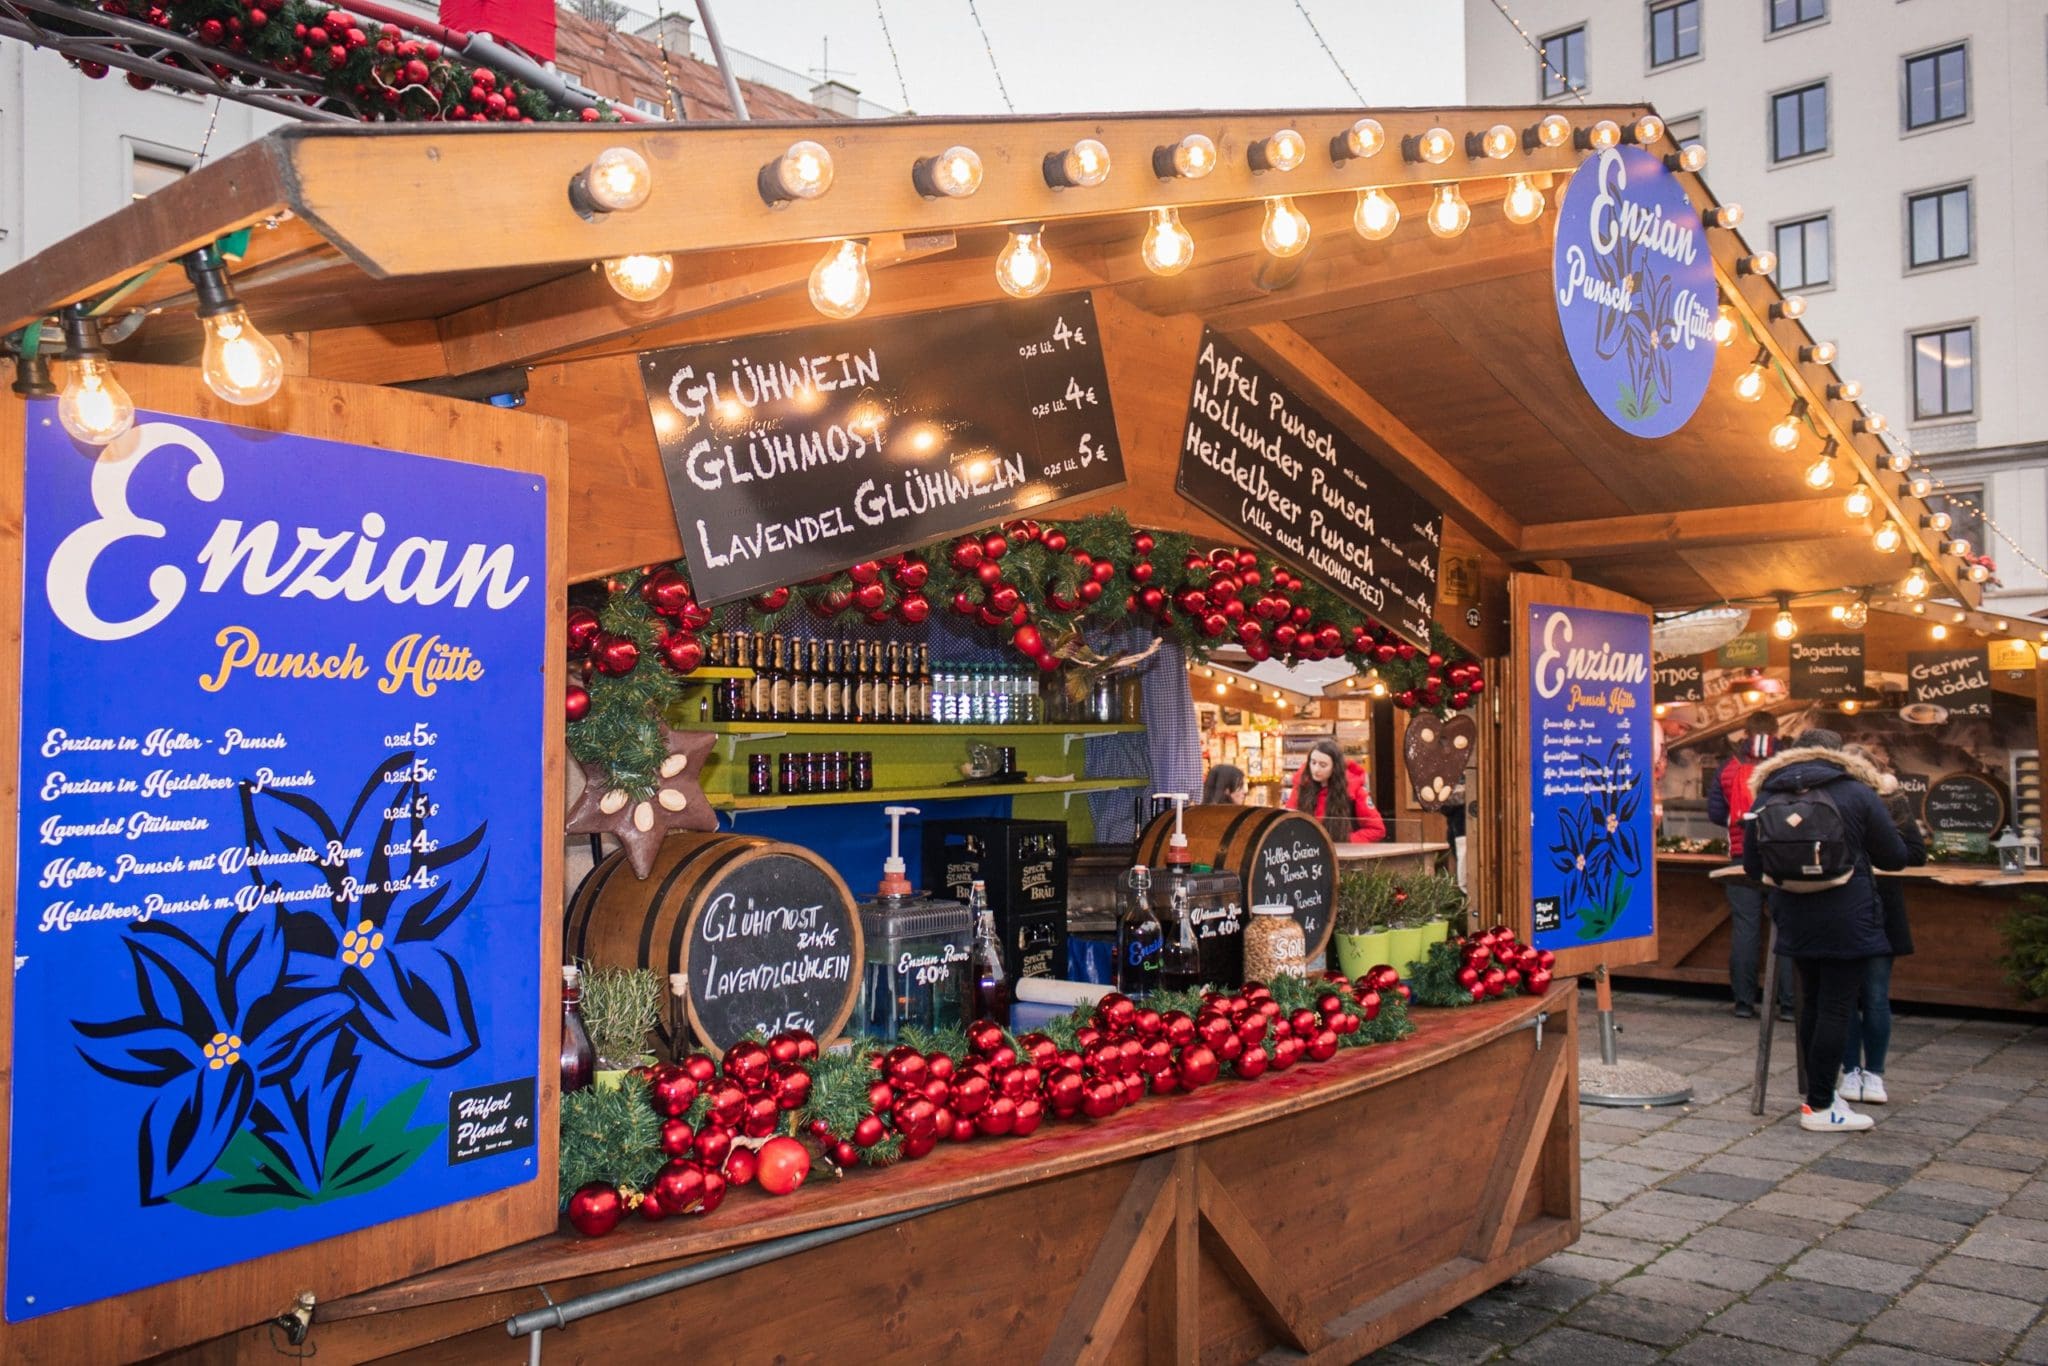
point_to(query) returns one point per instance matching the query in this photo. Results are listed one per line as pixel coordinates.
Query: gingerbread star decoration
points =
(677, 802)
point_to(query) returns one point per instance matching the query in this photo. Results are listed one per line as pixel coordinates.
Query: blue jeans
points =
(1746, 919)
(1870, 1030)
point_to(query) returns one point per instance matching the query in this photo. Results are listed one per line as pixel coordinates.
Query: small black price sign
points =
(1265, 460)
(1958, 681)
(1678, 680)
(1827, 667)
(797, 454)
(1297, 868)
(484, 1121)
(1965, 804)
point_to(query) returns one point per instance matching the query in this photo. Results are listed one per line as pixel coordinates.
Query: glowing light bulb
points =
(1860, 503)
(1724, 326)
(1080, 167)
(1758, 263)
(1376, 216)
(1449, 214)
(641, 278)
(1888, 538)
(1939, 521)
(1168, 247)
(93, 406)
(1749, 385)
(1915, 584)
(240, 364)
(1555, 130)
(1379, 689)
(1603, 135)
(839, 282)
(1821, 473)
(1961, 548)
(1919, 486)
(1647, 129)
(1285, 231)
(1898, 462)
(953, 174)
(1365, 138)
(1524, 202)
(1283, 151)
(1871, 422)
(1791, 306)
(1498, 142)
(1938, 631)
(1978, 574)
(1857, 615)
(1022, 268)
(1693, 158)
(1783, 626)
(1838, 611)
(1784, 435)
(1193, 157)
(1221, 690)
(802, 172)
(618, 180)
(1658, 710)
(1850, 706)
(1435, 146)
(1724, 216)
(1848, 390)
(1820, 353)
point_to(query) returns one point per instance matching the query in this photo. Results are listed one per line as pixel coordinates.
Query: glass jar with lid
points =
(1274, 945)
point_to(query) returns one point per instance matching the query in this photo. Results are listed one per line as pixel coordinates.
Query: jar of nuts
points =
(1273, 945)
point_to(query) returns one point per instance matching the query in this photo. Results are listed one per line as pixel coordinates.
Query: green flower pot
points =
(1406, 947)
(1356, 953)
(1434, 932)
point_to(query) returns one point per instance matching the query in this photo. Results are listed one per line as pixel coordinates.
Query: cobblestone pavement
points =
(1713, 1235)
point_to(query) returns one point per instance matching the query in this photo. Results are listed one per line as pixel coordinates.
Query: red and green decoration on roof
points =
(381, 72)
(1035, 585)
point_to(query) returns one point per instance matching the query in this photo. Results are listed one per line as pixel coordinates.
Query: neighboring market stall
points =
(787, 528)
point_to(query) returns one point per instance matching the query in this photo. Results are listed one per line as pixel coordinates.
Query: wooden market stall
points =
(412, 277)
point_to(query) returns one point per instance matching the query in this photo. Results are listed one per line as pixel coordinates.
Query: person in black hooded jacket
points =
(1830, 933)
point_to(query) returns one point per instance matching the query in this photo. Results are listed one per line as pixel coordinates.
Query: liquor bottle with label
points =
(863, 683)
(991, 981)
(831, 706)
(1138, 939)
(776, 674)
(819, 704)
(921, 689)
(721, 689)
(799, 681)
(742, 707)
(579, 1058)
(1180, 957)
(899, 697)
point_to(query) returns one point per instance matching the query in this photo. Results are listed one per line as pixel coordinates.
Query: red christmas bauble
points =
(615, 655)
(914, 608)
(1055, 541)
(912, 574)
(869, 597)
(1091, 591)
(1152, 600)
(867, 571)
(575, 703)
(1215, 624)
(666, 591)
(774, 600)
(740, 1166)
(989, 573)
(1198, 1065)
(596, 1209)
(1142, 543)
(966, 554)
(994, 546)
(1435, 660)
(1003, 600)
(1141, 572)
(714, 1184)
(583, 629)
(682, 652)
(1028, 640)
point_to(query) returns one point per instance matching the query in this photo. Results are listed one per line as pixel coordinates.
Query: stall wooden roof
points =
(420, 254)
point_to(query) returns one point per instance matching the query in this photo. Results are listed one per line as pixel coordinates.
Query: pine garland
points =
(386, 74)
(609, 1134)
(2026, 948)
(623, 728)
(1435, 979)
(839, 1096)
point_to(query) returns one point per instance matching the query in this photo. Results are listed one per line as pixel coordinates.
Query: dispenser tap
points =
(894, 883)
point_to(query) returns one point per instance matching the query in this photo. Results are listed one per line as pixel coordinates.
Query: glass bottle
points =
(1180, 957)
(777, 674)
(991, 981)
(579, 1058)
(799, 675)
(761, 698)
(921, 694)
(893, 710)
(721, 689)
(1138, 939)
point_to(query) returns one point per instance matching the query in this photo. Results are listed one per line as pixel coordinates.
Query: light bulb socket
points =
(1059, 172)
(1870, 423)
(1412, 147)
(1693, 158)
(1552, 130)
(1790, 306)
(1723, 216)
(1819, 353)
(1597, 137)
(1261, 154)
(1756, 263)
(1846, 391)
(1364, 138)
(32, 375)
(82, 335)
(1173, 161)
(924, 175)
(210, 282)
(1490, 144)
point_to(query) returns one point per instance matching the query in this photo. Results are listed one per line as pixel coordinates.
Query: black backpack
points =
(1802, 841)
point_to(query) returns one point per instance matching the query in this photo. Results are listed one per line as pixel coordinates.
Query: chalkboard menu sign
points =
(797, 454)
(1825, 667)
(1296, 866)
(1750, 650)
(1267, 462)
(1965, 804)
(772, 946)
(1678, 680)
(276, 954)
(1955, 681)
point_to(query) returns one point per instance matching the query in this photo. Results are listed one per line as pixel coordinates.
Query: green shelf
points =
(769, 730)
(772, 802)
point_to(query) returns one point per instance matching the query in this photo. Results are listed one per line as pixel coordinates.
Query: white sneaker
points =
(1849, 1085)
(1871, 1089)
(1837, 1118)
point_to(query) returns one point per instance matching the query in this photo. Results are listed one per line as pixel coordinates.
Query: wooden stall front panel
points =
(1328, 1210)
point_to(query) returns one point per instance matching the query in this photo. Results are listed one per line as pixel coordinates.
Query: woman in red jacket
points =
(1343, 806)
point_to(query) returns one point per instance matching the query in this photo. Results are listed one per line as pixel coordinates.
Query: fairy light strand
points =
(989, 47)
(1577, 92)
(902, 90)
(1309, 19)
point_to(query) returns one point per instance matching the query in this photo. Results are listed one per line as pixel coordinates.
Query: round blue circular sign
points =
(1635, 291)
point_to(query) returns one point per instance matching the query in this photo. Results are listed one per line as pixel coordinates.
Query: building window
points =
(1805, 253)
(1687, 130)
(1799, 122)
(1964, 504)
(149, 172)
(1938, 226)
(1937, 87)
(1674, 32)
(1945, 372)
(1792, 13)
(1564, 63)
(652, 107)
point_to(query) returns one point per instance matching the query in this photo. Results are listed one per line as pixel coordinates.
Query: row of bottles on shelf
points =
(866, 681)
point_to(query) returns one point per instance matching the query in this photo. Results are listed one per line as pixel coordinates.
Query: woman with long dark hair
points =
(1224, 786)
(1332, 789)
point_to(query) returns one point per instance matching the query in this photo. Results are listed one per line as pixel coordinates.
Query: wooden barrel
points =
(764, 932)
(1284, 857)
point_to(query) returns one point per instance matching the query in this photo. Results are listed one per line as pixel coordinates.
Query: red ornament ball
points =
(583, 629)
(914, 608)
(994, 546)
(682, 652)
(1028, 640)
(783, 1165)
(774, 600)
(576, 703)
(596, 1209)
(615, 655)
(1142, 543)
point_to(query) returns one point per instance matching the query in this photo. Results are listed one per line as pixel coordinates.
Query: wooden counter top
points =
(1947, 874)
(1358, 853)
(970, 1170)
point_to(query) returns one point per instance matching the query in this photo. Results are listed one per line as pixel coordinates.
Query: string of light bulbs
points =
(902, 89)
(1309, 19)
(1576, 92)
(989, 48)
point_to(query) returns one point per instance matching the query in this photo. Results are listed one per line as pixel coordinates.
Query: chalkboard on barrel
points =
(1965, 804)
(796, 454)
(1281, 857)
(764, 933)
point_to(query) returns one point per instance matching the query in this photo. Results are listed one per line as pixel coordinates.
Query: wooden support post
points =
(1522, 1141)
(1088, 1330)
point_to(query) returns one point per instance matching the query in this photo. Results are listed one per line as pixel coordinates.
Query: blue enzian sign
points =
(1636, 297)
(279, 848)
(1592, 840)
